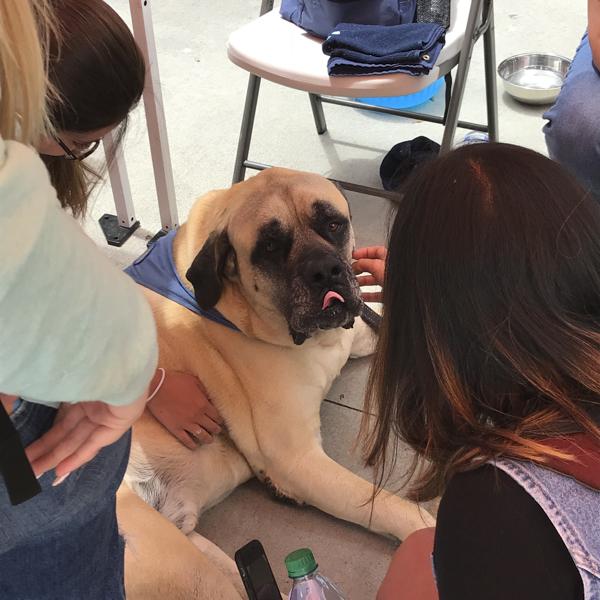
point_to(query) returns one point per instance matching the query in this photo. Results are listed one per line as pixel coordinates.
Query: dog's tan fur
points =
(162, 563)
(267, 389)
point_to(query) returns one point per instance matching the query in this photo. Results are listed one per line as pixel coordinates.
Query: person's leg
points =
(162, 563)
(64, 543)
(573, 128)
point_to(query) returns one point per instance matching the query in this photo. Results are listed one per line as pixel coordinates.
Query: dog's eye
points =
(334, 226)
(271, 246)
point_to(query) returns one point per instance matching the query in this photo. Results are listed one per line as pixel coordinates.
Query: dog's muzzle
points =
(324, 295)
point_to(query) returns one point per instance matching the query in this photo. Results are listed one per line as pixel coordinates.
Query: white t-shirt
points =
(73, 327)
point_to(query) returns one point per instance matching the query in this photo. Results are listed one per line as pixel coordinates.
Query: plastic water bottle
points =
(475, 137)
(308, 583)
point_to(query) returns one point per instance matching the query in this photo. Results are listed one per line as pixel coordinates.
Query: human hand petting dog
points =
(182, 405)
(370, 260)
(79, 432)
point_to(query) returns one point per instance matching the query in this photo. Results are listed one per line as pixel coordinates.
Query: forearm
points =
(410, 574)
(72, 326)
(594, 30)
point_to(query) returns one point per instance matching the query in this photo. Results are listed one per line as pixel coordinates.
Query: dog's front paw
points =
(183, 513)
(365, 338)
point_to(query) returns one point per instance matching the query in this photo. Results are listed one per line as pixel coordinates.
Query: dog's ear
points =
(207, 272)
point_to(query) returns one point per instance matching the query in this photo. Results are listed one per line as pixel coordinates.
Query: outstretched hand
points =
(79, 432)
(370, 260)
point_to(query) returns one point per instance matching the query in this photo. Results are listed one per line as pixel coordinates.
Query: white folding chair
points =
(274, 49)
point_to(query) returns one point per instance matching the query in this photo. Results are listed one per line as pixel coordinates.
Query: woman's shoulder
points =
(492, 502)
(489, 535)
(486, 480)
(477, 500)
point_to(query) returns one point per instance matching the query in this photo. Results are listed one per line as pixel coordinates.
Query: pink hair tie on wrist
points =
(162, 380)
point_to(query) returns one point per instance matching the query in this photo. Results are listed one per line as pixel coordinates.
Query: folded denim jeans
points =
(374, 49)
(403, 58)
(338, 67)
(383, 40)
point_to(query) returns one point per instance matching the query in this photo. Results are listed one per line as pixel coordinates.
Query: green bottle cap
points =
(300, 563)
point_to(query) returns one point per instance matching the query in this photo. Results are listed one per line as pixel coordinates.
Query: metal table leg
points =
(118, 228)
(155, 117)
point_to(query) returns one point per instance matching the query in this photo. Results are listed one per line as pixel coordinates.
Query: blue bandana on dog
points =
(156, 271)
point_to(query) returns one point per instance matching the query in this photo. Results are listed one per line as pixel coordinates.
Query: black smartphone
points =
(256, 573)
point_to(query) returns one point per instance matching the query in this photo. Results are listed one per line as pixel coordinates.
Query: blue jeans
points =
(64, 544)
(573, 128)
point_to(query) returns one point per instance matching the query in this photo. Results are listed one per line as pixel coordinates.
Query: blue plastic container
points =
(408, 101)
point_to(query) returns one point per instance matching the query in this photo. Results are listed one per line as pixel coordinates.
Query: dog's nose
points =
(323, 271)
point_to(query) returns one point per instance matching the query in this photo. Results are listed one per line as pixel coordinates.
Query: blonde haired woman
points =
(72, 328)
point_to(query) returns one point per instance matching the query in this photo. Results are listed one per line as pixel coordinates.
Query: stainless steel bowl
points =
(534, 78)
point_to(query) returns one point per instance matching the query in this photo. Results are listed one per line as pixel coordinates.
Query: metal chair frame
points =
(480, 23)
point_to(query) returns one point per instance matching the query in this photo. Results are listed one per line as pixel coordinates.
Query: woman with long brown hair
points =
(488, 366)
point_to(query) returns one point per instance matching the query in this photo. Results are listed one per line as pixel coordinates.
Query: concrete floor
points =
(203, 97)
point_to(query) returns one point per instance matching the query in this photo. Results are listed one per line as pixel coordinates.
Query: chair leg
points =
(461, 77)
(266, 6)
(317, 109)
(239, 169)
(489, 54)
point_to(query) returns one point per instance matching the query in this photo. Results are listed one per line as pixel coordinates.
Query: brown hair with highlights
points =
(490, 340)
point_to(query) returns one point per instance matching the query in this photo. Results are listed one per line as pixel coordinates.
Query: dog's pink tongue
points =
(330, 296)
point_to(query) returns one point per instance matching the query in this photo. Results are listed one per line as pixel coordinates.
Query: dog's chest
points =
(330, 350)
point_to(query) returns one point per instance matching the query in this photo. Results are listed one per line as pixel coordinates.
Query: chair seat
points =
(284, 53)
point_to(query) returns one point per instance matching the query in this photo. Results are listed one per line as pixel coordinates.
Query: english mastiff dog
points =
(272, 256)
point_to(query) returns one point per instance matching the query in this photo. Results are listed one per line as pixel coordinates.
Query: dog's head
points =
(284, 239)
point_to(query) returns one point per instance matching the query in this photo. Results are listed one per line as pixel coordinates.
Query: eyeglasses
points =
(79, 154)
